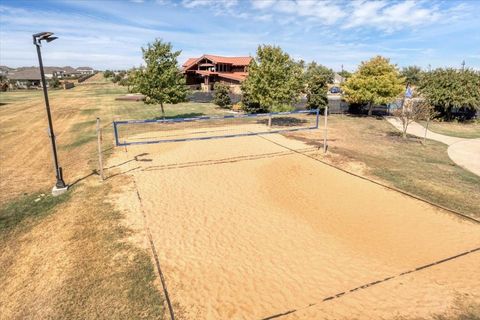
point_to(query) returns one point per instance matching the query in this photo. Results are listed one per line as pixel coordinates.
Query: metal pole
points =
(99, 144)
(58, 170)
(325, 131)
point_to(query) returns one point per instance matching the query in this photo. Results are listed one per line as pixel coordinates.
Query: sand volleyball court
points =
(245, 228)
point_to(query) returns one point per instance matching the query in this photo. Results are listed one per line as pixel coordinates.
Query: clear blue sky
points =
(109, 34)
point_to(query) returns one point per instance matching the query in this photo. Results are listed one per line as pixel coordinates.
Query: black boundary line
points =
(461, 215)
(370, 284)
(335, 296)
(224, 160)
(338, 295)
(154, 252)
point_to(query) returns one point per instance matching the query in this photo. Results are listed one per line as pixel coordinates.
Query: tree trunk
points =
(370, 108)
(163, 111)
(426, 129)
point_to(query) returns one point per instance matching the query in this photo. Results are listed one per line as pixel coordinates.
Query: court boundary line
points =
(337, 295)
(154, 253)
(459, 214)
(370, 284)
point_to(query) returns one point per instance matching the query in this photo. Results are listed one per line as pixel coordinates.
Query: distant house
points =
(203, 72)
(338, 79)
(85, 70)
(25, 78)
(4, 70)
(29, 77)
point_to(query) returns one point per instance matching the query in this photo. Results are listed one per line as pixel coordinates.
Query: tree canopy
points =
(318, 71)
(412, 74)
(316, 78)
(452, 88)
(160, 80)
(108, 74)
(345, 74)
(274, 81)
(376, 81)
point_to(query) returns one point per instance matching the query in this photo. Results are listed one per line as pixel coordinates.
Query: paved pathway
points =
(464, 152)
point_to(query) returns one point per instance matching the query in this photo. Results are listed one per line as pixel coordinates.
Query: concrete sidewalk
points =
(464, 152)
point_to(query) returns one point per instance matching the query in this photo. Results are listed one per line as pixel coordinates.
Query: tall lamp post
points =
(60, 186)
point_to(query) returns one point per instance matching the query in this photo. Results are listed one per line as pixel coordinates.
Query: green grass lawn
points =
(455, 129)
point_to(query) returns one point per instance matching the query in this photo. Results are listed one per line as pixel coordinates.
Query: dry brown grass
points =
(75, 263)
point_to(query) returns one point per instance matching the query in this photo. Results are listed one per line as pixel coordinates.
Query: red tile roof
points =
(236, 61)
(189, 61)
(239, 76)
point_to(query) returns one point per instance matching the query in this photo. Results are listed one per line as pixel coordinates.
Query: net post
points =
(99, 146)
(325, 131)
(115, 131)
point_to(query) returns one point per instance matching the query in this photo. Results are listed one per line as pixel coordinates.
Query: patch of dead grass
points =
(77, 263)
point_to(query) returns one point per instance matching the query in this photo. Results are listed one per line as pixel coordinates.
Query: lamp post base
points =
(58, 191)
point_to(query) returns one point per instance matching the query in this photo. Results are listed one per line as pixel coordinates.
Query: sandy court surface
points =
(246, 229)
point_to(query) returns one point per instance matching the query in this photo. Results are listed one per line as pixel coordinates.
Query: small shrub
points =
(221, 97)
(237, 107)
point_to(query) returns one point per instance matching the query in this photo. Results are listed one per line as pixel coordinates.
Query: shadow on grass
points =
(397, 136)
(31, 206)
(284, 121)
(94, 172)
(182, 115)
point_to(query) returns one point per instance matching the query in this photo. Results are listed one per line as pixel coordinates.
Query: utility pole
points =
(463, 65)
(60, 186)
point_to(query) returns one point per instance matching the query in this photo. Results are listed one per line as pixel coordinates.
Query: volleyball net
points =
(132, 132)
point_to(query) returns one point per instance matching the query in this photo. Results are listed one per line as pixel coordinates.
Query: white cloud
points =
(391, 17)
(326, 12)
(262, 4)
(211, 3)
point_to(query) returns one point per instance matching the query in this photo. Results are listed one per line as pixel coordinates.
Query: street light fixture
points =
(60, 186)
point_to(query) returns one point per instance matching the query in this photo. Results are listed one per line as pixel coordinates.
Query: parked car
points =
(335, 90)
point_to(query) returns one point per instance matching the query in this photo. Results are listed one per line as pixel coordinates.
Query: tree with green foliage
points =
(412, 74)
(274, 81)
(221, 97)
(3, 83)
(376, 81)
(316, 78)
(160, 80)
(108, 74)
(116, 78)
(54, 82)
(345, 74)
(318, 71)
(449, 89)
(128, 79)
